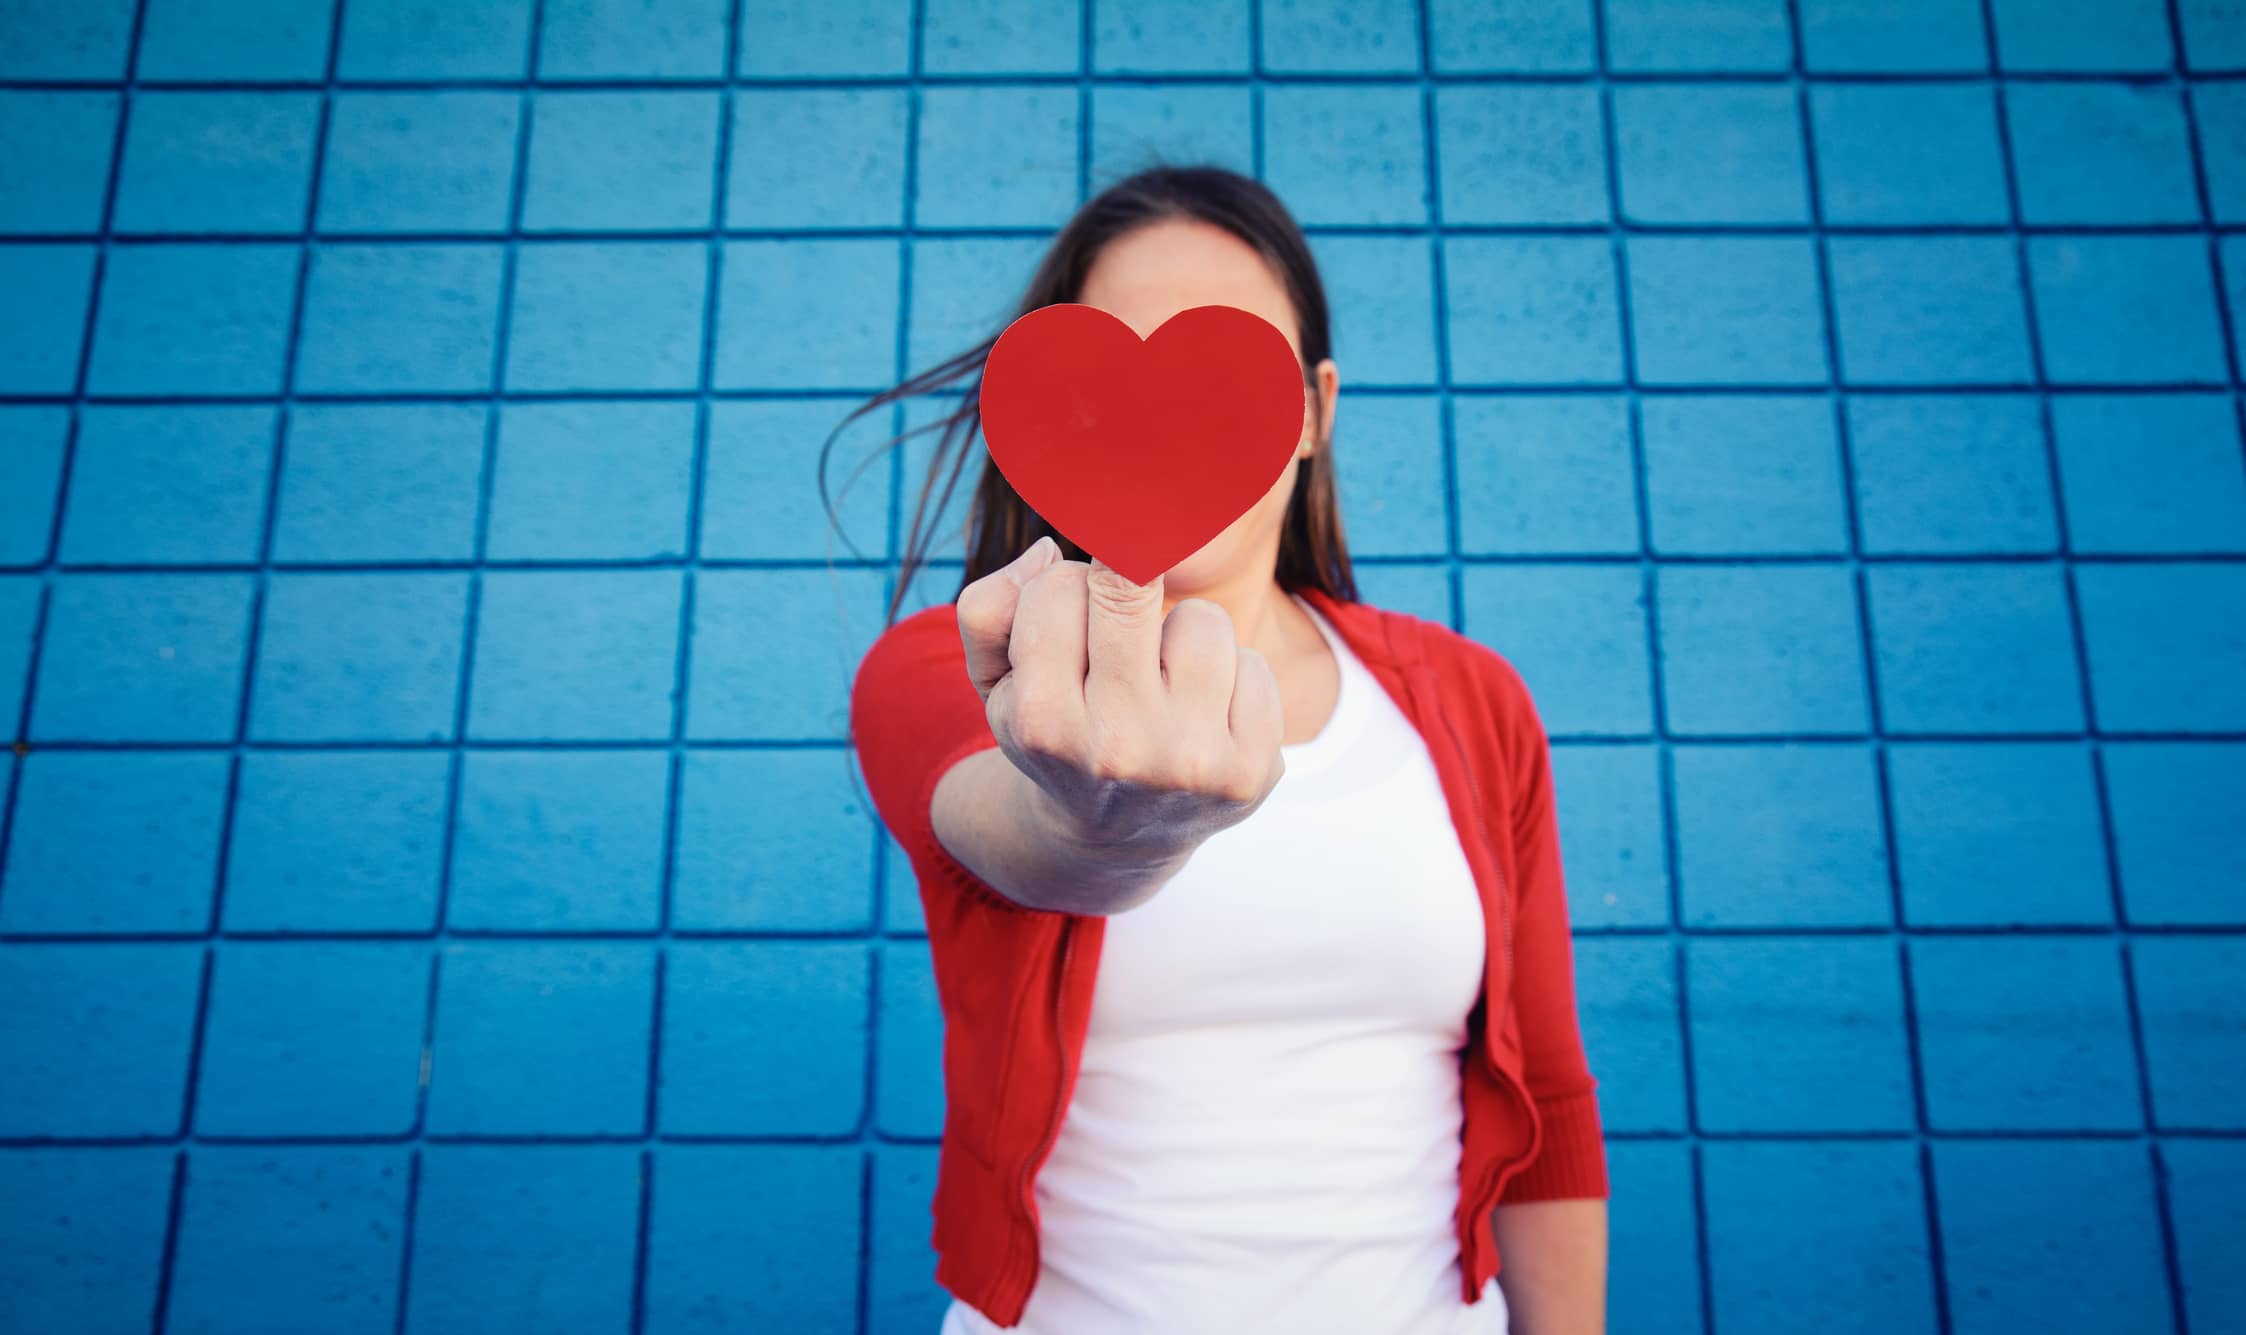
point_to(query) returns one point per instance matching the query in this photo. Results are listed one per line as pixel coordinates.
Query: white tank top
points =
(1264, 1134)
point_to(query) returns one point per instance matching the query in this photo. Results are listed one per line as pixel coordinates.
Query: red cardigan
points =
(1015, 983)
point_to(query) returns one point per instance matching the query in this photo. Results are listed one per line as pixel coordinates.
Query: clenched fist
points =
(1145, 733)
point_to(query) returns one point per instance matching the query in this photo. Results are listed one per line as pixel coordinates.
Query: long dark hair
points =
(1312, 550)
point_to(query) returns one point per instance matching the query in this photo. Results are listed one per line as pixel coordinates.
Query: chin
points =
(1221, 559)
(1196, 576)
(1204, 570)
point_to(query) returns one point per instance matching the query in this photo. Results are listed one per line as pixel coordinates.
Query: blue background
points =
(436, 896)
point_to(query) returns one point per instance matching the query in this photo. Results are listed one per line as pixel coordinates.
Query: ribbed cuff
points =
(1571, 1161)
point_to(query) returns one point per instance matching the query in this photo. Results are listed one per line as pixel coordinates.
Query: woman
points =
(1243, 896)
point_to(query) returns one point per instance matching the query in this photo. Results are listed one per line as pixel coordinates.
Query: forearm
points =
(1000, 825)
(1553, 1270)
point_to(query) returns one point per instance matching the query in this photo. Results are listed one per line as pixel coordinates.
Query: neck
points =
(1262, 612)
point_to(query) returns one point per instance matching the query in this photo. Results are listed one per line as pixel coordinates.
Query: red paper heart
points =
(1139, 451)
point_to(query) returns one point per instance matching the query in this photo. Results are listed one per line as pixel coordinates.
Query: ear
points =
(1326, 384)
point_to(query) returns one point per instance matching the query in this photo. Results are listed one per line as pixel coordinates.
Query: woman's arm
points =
(1554, 1273)
(995, 821)
(1550, 1223)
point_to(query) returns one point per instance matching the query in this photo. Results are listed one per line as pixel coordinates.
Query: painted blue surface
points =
(434, 891)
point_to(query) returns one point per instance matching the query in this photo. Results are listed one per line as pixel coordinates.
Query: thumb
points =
(985, 636)
(1033, 559)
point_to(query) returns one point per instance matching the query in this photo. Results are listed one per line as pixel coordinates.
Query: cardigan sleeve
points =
(914, 713)
(1571, 1158)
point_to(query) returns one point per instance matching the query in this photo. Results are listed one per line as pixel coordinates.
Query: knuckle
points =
(1208, 770)
(1113, 594)
(1037, 728)
(1202, 611)
(1000, 708)
(1121, 755)
(978, 611)
(1199, 624)
(1240, 787)
(1202, 774)
(1252, 676)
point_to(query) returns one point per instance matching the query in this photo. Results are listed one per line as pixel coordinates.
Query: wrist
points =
(1119, 868)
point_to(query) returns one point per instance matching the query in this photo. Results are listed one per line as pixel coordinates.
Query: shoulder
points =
(1467, 664)
(912, 684)
(939, 620)
(925, 640)
(914, 711)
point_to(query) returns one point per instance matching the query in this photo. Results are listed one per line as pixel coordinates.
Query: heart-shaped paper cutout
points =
(1141, 451)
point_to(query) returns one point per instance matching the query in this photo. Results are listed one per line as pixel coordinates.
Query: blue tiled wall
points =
(433, 890)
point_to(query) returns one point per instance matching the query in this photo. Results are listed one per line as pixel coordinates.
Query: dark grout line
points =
(471, 615)
(589, 236)
(1137, 78)
(2170, 1255)
(1868, 664)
